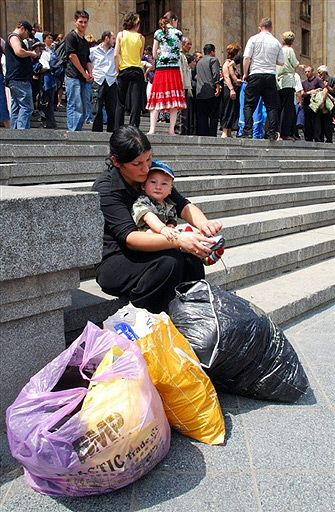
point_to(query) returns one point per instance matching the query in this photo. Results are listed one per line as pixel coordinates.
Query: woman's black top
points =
(116, 200)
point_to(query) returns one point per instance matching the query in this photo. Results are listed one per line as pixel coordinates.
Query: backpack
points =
(58, 60)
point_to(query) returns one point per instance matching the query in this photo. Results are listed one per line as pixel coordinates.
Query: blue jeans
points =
(89, 116)
(76, 103)
(21, 104)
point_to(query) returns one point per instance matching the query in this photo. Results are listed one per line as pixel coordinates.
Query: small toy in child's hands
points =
(217, 250)
(219, 243)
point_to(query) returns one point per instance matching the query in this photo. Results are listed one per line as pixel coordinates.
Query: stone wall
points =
(46, 237)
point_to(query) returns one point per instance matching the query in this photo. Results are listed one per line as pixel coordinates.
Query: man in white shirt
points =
(104, 88)
(261, 55)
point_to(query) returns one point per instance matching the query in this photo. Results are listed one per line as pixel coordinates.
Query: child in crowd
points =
(154, 211)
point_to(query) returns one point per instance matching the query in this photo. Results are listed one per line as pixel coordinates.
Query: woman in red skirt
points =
(167, 93)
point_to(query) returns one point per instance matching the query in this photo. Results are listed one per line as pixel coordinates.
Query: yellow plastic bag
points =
(189, 398)
(125, 419)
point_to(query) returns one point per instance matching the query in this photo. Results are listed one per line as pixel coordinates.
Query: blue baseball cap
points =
(160, 166)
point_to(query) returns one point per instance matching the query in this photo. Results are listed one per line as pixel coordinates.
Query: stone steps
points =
(238, 175)
(291, 295)
(164, 143)
(258, 261)
(241, 203)
(249, 269)
(276, 202)
(249, 228)
(223, 184)
(262, 200)
(245, 229)
(176, 152)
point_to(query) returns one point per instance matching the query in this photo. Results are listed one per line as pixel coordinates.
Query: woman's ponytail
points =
(166, 20)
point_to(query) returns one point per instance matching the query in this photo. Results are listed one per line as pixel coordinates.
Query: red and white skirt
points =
(167, 91)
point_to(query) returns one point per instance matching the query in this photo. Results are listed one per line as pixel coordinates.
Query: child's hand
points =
(169, 233)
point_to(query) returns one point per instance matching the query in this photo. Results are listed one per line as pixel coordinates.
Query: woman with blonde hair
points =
(167, 93)
(127, 56)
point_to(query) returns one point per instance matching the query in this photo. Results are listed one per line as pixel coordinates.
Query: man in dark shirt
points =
(19, 73)
(208, 90)
(78, 72)
(314, 122)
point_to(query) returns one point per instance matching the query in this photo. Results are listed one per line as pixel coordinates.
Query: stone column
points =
(46, 237)
(323, 34)
(203, 22)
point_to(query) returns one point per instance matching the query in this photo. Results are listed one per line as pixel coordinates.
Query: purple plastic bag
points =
(107, 444)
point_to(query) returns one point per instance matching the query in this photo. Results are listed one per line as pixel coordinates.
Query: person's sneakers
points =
(246, 136)
(272, 136)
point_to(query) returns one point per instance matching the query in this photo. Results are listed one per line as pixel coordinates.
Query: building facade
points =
(205, 21)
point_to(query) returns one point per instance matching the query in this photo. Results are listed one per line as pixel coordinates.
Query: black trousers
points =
(326, 127)
(48, 107)
(134, 76)
(207, 116)
(184, 124)
(148, 278)
(312, 127)
(286, 111)
(261, 84)
(103, 95)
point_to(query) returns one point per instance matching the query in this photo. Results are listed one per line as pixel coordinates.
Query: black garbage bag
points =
(238, 345)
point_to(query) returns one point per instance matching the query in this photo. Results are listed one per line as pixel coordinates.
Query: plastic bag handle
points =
(97, 342)
(73, 398)
(126, 366)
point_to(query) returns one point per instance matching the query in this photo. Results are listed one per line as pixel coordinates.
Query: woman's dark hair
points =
(130, 20)
(166, 20)
(127, 143)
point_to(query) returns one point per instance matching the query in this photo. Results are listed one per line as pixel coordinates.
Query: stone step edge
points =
(70, 170)
(266, 178)
(158, 138)
(244, 265)
(245, 229)
(290, 296)
(301, 300)
(228, 153)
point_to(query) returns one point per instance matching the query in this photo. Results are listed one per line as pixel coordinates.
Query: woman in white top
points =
(286, 87)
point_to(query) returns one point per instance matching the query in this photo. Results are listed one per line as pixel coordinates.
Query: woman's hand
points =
(232, 94)
(194, 243)
(210, 227)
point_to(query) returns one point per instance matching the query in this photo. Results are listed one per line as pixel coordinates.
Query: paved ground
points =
(277, 458)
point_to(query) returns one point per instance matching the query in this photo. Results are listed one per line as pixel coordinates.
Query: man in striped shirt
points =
(261, 55)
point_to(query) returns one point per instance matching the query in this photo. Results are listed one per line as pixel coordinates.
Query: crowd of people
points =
(257, 93)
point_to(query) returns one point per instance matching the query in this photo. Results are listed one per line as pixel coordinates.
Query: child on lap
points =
(154, 211)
